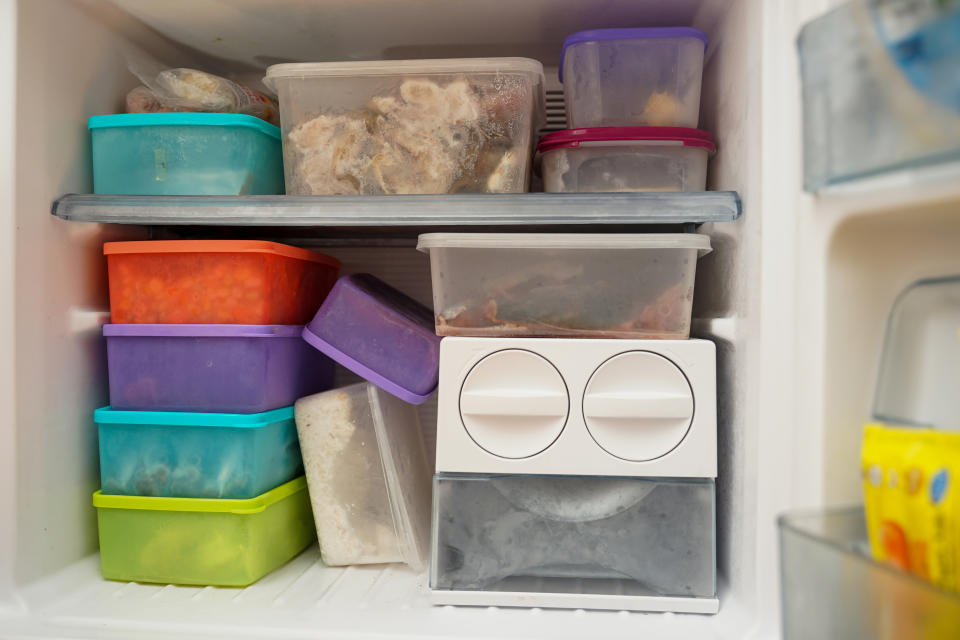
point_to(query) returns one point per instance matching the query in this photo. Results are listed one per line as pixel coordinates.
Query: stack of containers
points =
(576, 433)
(201, 473)
(633, 102)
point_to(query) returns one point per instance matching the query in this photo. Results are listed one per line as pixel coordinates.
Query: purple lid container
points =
(381, 334)
(594, 35)
(212, 368)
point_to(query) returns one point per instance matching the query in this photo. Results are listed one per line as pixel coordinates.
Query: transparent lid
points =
(402, 67)
(697, 241)
(921, 357)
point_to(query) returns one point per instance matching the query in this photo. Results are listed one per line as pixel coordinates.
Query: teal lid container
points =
(185, 154)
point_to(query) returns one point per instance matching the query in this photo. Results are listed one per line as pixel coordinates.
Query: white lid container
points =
(621, 77)
(611, 159)
(408, 126)
(367, 475)
(563, 285)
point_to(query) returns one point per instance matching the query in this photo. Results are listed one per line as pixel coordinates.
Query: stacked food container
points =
(201, 474)
(576, 434)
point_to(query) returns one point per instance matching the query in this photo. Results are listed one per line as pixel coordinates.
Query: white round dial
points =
(638, 406)
(514, 403)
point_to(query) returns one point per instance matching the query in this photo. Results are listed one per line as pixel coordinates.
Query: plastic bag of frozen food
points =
(183, 89)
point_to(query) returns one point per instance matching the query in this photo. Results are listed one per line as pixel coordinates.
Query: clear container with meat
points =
(409, 126)
(563, 285)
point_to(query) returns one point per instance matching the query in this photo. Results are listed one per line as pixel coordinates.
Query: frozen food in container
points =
(226, 368)
(380, 334)
(409, 126)
(368, 476)
(626, 77)
(196, 455)
(563, 285)
(625, 159)
(216, 282)
(185, 154)
(574, 534)
(191, 541)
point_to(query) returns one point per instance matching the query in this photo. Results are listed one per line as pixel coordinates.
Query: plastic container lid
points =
(107, 415)
(697, 241)
(568, 138)
(217, 246)
(203, 330)
(593, 35)
(401, 67)
(183, 119)
(210, 505)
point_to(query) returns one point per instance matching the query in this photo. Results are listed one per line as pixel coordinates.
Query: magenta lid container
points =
(211, 368)
(381, 334)
(568, 138)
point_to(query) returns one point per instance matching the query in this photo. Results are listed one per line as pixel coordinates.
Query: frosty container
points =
(625, 159)
(380, 334)
(628, 77)
(196, 455)
(227, 368)
(598, 535)
(216, 282)
(369, 482)
(227, 154)
(409, 126)
(563, 285)
(190, 541)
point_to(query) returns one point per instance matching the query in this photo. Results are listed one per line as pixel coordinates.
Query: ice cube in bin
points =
(380, 334)
(649, 535)
(367, 474)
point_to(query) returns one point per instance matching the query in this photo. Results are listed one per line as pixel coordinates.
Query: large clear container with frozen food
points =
(633, 77)
(593, 535)
(831, 588)
(625, 159)
(409, 126)
(367, 472)
(563, 285)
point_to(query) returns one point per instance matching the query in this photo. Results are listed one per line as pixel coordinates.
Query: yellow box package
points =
(911, 501)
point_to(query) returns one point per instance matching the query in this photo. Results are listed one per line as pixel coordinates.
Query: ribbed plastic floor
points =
(306, 599)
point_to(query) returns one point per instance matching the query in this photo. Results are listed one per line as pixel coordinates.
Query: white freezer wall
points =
(775, 451)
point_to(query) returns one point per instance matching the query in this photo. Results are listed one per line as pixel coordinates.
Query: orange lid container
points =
(216, 282)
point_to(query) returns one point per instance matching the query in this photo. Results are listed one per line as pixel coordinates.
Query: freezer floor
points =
(307, 599)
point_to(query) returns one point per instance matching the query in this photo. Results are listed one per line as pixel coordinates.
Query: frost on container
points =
(434, 126)
(367, 474)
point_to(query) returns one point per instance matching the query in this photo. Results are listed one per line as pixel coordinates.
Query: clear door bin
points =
(563, 285)
(574, 535)
(612, 159)
(921, 357)
(368, 476)
(832, 589)
(633, 77)
(409, 126)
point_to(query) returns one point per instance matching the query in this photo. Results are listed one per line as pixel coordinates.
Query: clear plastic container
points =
(223, 543)
(368, 476)
(216, 282)
(380, 334)
(921, 357)
(633, 77)
(196, 455)
(579, 534)
(625, 159)
(563, 285)
(227, 154)
(409, 126)
(832, 589)
(226, 368)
